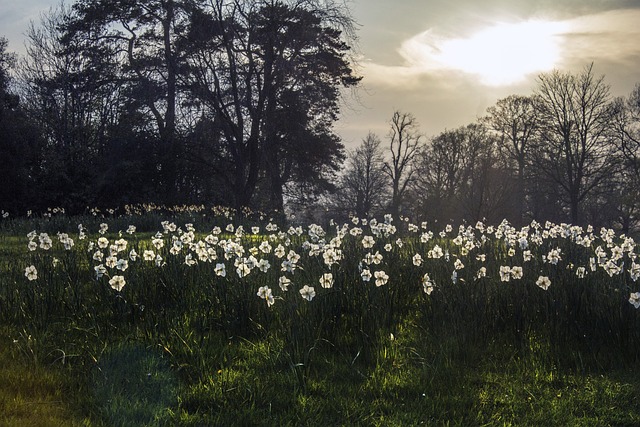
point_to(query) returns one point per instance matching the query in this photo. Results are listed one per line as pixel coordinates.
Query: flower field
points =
(201, 292)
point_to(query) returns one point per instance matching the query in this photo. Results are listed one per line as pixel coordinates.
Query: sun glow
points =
(502, 54)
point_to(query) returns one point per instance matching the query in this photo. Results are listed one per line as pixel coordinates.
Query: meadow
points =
(194, 316)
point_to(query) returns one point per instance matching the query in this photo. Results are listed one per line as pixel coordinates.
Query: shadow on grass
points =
(134, 385)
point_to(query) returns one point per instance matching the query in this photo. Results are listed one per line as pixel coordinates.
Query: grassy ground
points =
(36, 394)
(180, 346)
(212, 380)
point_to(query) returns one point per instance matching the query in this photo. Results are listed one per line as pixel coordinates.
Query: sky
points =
(447, 61)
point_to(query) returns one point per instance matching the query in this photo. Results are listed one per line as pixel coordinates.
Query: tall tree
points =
(144, 37)
(626, 128)
(269, 74)
(459, 176)
(66, 96)
(404, 143)
(364, 185)
(514, 120)
(7, 62)
(19, 143)
(624, 196)
(575, 149)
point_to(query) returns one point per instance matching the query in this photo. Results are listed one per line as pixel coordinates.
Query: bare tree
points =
(459, 177)
(514, 119)
(404, 143)
(575, 149)
(624, 198)
(626, 128)
(73, 99)
(364, 184)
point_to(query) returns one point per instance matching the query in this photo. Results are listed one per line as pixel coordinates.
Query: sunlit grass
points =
(181, 344)
(34, 394)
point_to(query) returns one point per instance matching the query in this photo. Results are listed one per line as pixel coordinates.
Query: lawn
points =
(225, 319)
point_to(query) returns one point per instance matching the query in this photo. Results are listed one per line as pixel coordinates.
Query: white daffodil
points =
(45, 241)
(284, 283)
(111, 261)
(308, 292)
(189, 261)
(242, 268)
(266, 294)
(122, 264)
(634, 299)
(381, 278)
(220, 270)
(103, 243)
(117, 282)
(543, 282)
(427, 284)
(100, 271)
(159, 261)
(435, 253)
(634, 271)
(157, 243)
(505, 273)
(98, 256)
(368, 242)
(553, 256)
(265, 247)
(417, 260)
(326, 281)
(516, 273)
(31, 273)
(121, 245)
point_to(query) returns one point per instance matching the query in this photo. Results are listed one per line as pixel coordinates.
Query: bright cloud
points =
(498, 55)
(505, 54)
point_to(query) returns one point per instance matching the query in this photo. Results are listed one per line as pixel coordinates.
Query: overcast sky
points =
(446, 61)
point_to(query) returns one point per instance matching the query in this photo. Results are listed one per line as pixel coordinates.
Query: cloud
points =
(16, 17)
(608, 36)
(504, 54)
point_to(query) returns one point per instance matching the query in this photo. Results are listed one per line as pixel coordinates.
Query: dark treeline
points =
(569, 152)
(232, 103)
(176, 102)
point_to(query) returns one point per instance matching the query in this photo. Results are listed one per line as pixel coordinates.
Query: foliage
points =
(176, 102)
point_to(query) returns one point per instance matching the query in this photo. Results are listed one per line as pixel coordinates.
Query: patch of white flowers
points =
(518, 257)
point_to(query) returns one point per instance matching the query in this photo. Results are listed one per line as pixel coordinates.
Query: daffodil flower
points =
(117, 282)
(308, 292)
(381, 278)
(31, 273)
(543, 282)
(326, 281)
(265, 293)
(634, 299)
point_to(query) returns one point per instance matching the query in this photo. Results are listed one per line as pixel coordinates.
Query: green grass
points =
(225, 381)
(36, 394)
(181, 346)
